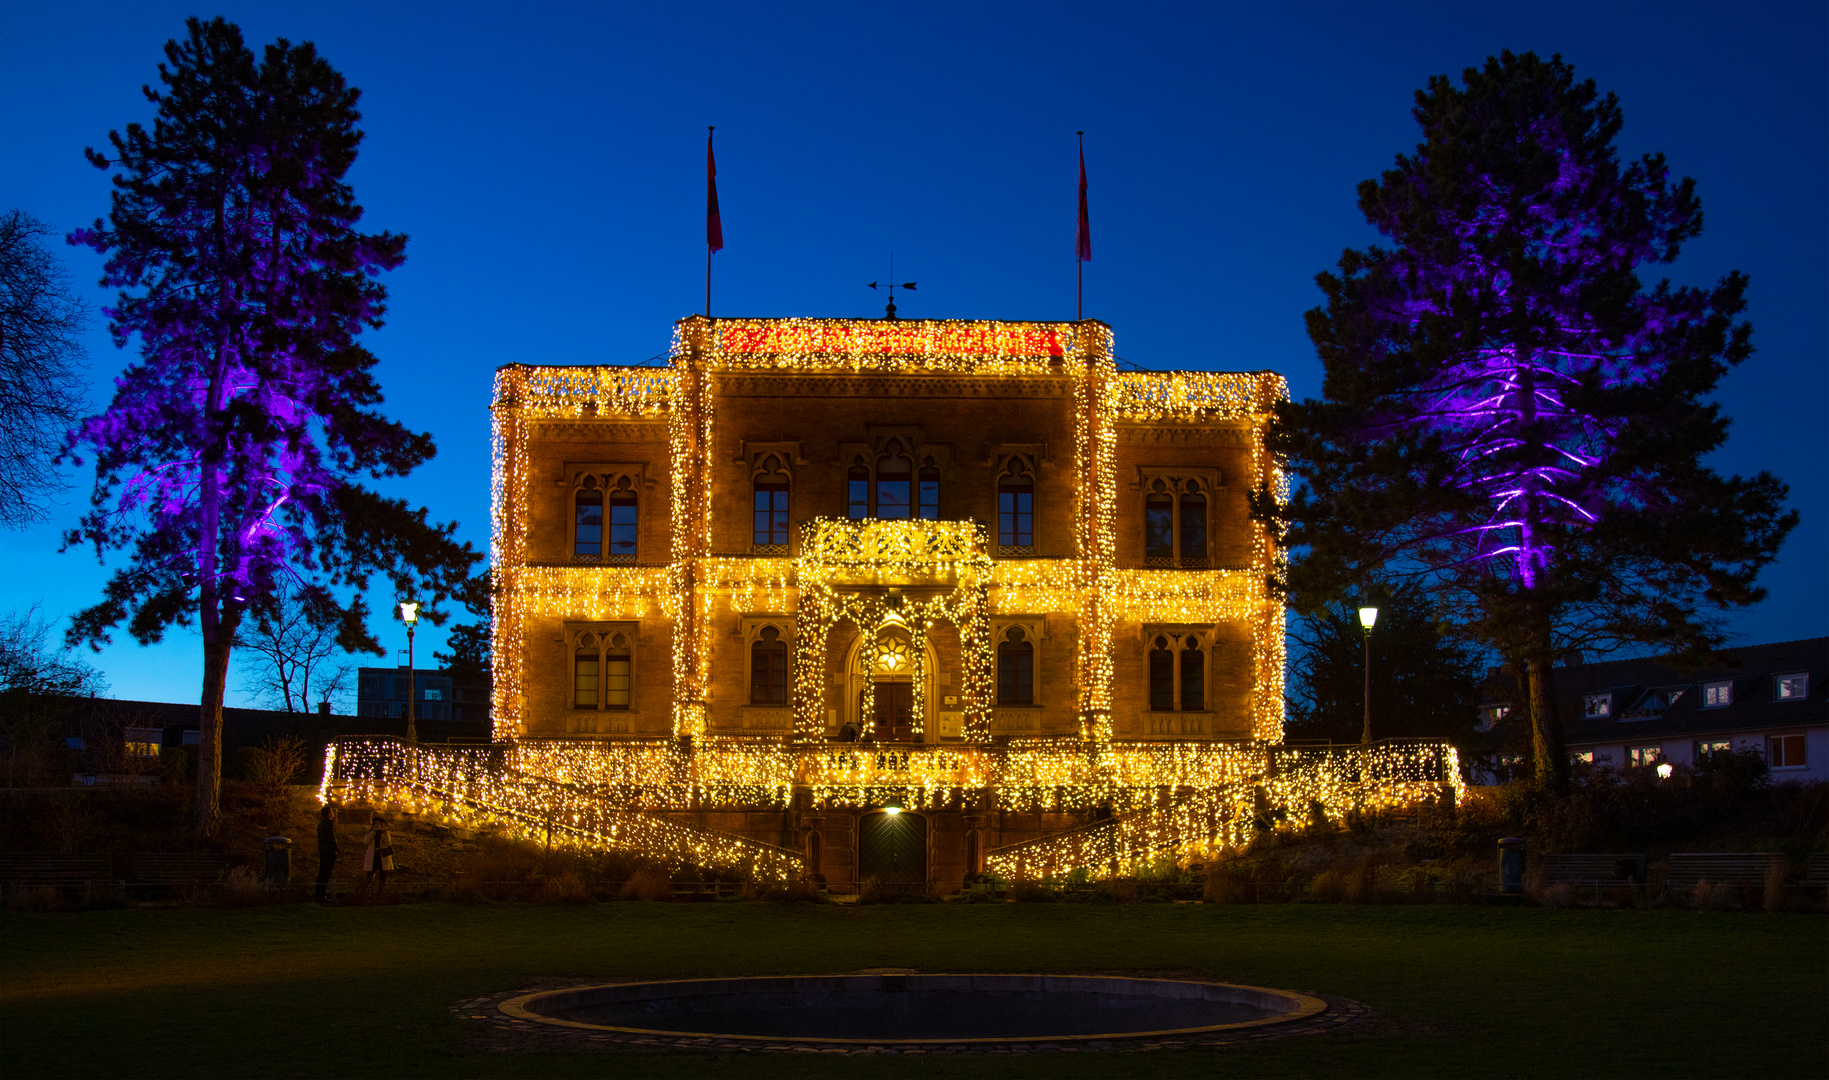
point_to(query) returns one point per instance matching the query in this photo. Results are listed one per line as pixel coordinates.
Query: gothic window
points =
(1159, 527)
(587, 533)
(584, 673)
(929, 478)
(1015, 669)
(768, 668)
(1016, 510)
(1161, 676)
(894, 473)
(601, 671)
(771, 495)
(857, 495)
(1193, 676)
(622, 522)
(1193, 528)
(617, 673)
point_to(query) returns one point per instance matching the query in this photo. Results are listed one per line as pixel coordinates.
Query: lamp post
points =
(409, 614)
(1368, 616)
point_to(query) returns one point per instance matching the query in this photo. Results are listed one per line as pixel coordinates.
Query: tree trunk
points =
(207, 810)
(1549, 755)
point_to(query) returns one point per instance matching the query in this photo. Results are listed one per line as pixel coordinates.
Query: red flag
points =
(714, 225)
(1084, 248)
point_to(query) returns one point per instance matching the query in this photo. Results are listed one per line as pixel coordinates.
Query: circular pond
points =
(915, 1008)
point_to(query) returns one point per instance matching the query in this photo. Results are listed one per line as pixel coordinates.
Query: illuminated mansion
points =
(906, 600)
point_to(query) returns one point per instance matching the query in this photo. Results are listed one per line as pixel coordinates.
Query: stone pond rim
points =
(793, 1009)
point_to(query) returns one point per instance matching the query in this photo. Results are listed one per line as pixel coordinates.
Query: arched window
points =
(857, 491)
(616, 673)
(584, 673)
(1193, 676)
(1161, 676)
(622, 522)
(1015, 669)
(1016, 511)
(894, 474)
(768, 669)
(771, 505)
(1159, 527)
(587, 518)
(1193, 528)
(930, 491)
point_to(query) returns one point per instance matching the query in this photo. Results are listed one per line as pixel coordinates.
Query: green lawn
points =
(304, 991)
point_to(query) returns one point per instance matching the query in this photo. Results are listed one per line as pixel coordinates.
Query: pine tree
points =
(1511, 419)
(1425, 680)
(230, 457)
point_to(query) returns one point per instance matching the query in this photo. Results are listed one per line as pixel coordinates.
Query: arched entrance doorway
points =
(886, 713)
(892, 848)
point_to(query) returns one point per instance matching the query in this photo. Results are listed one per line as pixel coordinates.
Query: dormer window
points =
(1491, 715)
(1792, 687)
(1597, 706)
(1717, 695)
(1657, 702)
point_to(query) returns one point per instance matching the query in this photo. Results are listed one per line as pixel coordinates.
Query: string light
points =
(882, 577)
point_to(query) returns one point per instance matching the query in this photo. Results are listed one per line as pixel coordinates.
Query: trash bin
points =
(279, 860)
(1511, 866)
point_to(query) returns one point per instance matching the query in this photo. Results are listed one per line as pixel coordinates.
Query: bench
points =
(1598, 870)
(91, 874)
(164, 871)
(1721, 868)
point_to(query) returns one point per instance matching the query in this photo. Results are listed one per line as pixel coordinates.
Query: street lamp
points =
(409, 614)
(1368, 616)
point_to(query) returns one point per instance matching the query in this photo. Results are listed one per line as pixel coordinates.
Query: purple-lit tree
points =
(229, 459)
(1511, 419)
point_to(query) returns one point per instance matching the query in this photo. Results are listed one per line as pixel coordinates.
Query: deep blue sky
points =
(547, 162)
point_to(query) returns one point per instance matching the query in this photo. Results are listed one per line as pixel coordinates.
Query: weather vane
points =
(909, 285)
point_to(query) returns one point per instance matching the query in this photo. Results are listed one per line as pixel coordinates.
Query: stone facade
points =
(652, 532)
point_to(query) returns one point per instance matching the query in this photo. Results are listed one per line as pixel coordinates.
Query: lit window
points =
(930, 491)
(768, 669)
(430, 693)
(1596, 706)
(1786, 752)
(892, 655)
(771, 491)
(616, 673)
(1717, 694)
(1016, 511)
(1193, 677)
(622, 523)
(584, 673)
(1644, 755)
(143, 749)
(75, 742)
(587, 538)
(1583, 757)
(1015, 669)
(1161, 677)
(1709, 748)
(1490, 715)
(1792, 687)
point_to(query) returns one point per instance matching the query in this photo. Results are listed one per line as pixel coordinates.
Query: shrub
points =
(1708, 896)
(1119, 890)
(1033, 892)
(273, 764)
(567, 888)
(648, 883)
(1329, 886)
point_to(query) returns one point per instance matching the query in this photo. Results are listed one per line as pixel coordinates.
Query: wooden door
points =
(894, 712)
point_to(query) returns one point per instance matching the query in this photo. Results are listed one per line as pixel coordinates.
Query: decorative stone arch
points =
(1184, 491)
(868, 664)
(608, 482)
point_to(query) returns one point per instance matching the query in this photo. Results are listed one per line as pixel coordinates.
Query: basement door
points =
(892, 848)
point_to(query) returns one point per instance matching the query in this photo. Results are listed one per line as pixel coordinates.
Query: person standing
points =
(327, 849)
(379, 858)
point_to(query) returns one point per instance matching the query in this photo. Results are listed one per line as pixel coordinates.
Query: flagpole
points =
(709, 179)
(1079, 262)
